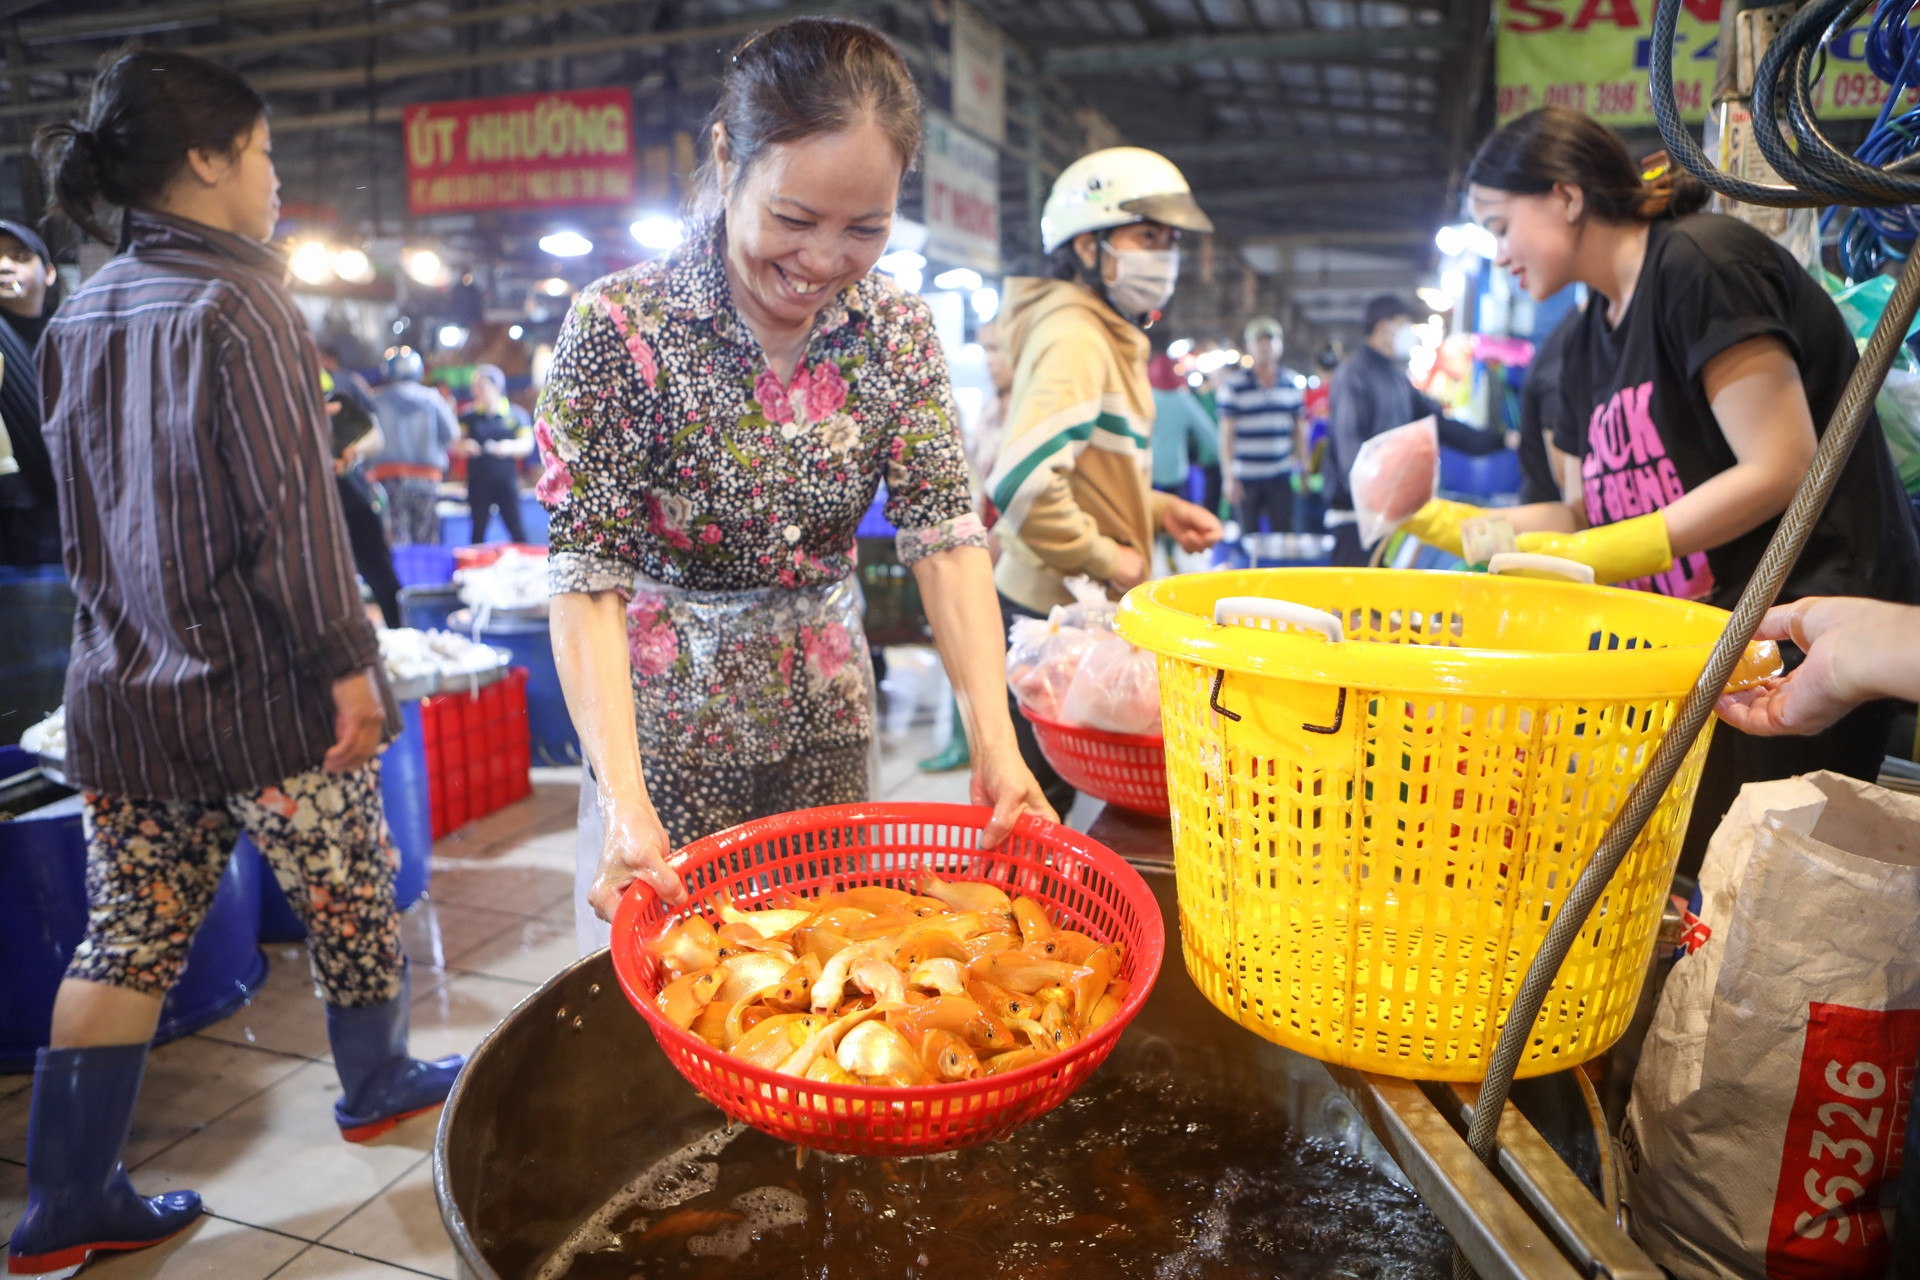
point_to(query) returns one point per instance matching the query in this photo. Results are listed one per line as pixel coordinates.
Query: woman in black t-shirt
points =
(1692, 393)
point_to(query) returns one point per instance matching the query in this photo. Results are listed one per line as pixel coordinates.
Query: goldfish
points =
(937, 982)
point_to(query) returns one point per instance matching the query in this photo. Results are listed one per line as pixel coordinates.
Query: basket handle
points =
(1533, 563)
(1239, 610)
(1232, 610)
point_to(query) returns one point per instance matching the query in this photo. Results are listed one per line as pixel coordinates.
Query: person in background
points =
(499, 433)
(1184, 434)
(1371, 394)
(29, 498)
(1070, 481)
(29, 281)
(1262, 432)
(224, 677)
(347, 393)
(982, 447)
(417, 427)
(1693, 391)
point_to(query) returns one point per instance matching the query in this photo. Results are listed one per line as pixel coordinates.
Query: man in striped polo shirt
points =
(1260, 432)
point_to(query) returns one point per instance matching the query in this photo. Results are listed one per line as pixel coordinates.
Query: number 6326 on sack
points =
(1842, 1145)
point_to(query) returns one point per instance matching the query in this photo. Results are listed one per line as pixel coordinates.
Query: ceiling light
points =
(1435, 299)
(959, 278)
(311, 263)
(353, 266)
(1453, 283)
(986, 302)
(516, 333)
(423, 266)
(554, 287)
(901, 260)
(566, 244)
(1179, 347)
(1467, 237)
(452, 336)
(656, 232)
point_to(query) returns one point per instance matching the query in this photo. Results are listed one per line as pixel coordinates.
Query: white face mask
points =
(1405, 339)
(1143, 279)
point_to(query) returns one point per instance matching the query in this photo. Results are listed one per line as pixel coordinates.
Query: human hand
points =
(1129, 569)
(1852, 645)
(466, 447)
(1230, 487)
(359, 717)
(1002, 780)
(1191, 525)
(635, 847)
(1438, 523)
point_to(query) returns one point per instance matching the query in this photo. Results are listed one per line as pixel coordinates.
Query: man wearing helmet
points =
(418, 425)
(1071, 480)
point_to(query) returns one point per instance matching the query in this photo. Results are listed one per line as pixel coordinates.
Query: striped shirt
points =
(1263, 421)
(199, 519)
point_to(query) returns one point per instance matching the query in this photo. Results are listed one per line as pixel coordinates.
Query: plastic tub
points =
(38, 605)
(425, 607)
(43, 915)
(530, 644)
(423, 564)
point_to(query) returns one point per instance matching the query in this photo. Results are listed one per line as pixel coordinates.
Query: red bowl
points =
(1083, 885)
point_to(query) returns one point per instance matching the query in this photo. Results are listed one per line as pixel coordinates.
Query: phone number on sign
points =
(1600, 98)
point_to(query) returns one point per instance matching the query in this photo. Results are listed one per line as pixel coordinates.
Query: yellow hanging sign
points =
(1592, 56)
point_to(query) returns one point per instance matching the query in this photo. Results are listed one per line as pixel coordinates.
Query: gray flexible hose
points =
(1809, 501)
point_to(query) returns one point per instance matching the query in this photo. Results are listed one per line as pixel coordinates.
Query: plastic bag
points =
(1117, 688)
(1091, 609)
(1042, 672)
(1394, 476)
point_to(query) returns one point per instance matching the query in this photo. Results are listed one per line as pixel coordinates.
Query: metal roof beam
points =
(1131, 55)
(388, 70)
(1223, 149)
(1417, 188)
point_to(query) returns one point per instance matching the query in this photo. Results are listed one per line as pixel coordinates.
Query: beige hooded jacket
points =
(1071, 478)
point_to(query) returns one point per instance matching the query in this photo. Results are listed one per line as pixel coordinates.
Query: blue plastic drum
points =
(531, 644)
(43, 915)
(425, 607)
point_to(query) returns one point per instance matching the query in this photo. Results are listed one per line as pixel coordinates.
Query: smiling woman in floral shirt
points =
(714, 427)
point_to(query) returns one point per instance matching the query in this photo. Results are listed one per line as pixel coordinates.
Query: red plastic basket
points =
(1084, 885)
(1127, 769)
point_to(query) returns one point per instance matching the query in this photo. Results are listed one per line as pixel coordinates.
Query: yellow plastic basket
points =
(1373, 827)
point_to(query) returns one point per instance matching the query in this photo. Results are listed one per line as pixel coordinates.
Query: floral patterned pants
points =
(412, 513)
(153, 867)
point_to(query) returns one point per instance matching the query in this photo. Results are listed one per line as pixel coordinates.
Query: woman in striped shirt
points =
(224, 677)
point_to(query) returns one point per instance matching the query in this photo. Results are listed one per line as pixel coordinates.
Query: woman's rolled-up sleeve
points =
(593, 454)
(929, 497)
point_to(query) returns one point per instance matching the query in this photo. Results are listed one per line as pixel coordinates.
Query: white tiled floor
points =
(242, 1111)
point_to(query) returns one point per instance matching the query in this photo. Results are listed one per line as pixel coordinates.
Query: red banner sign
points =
(530, 151)
(1840, 1162)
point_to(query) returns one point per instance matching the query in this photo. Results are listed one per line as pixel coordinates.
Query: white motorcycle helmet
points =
(1114, 187)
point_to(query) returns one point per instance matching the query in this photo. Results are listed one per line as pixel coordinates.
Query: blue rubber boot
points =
(380, 1084)
(79, 1201)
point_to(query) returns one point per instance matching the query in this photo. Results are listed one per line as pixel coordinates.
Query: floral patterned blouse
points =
(677, 462)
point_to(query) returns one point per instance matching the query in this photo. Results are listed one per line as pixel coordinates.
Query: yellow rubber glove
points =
(1438, 523)
(1632, 548)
